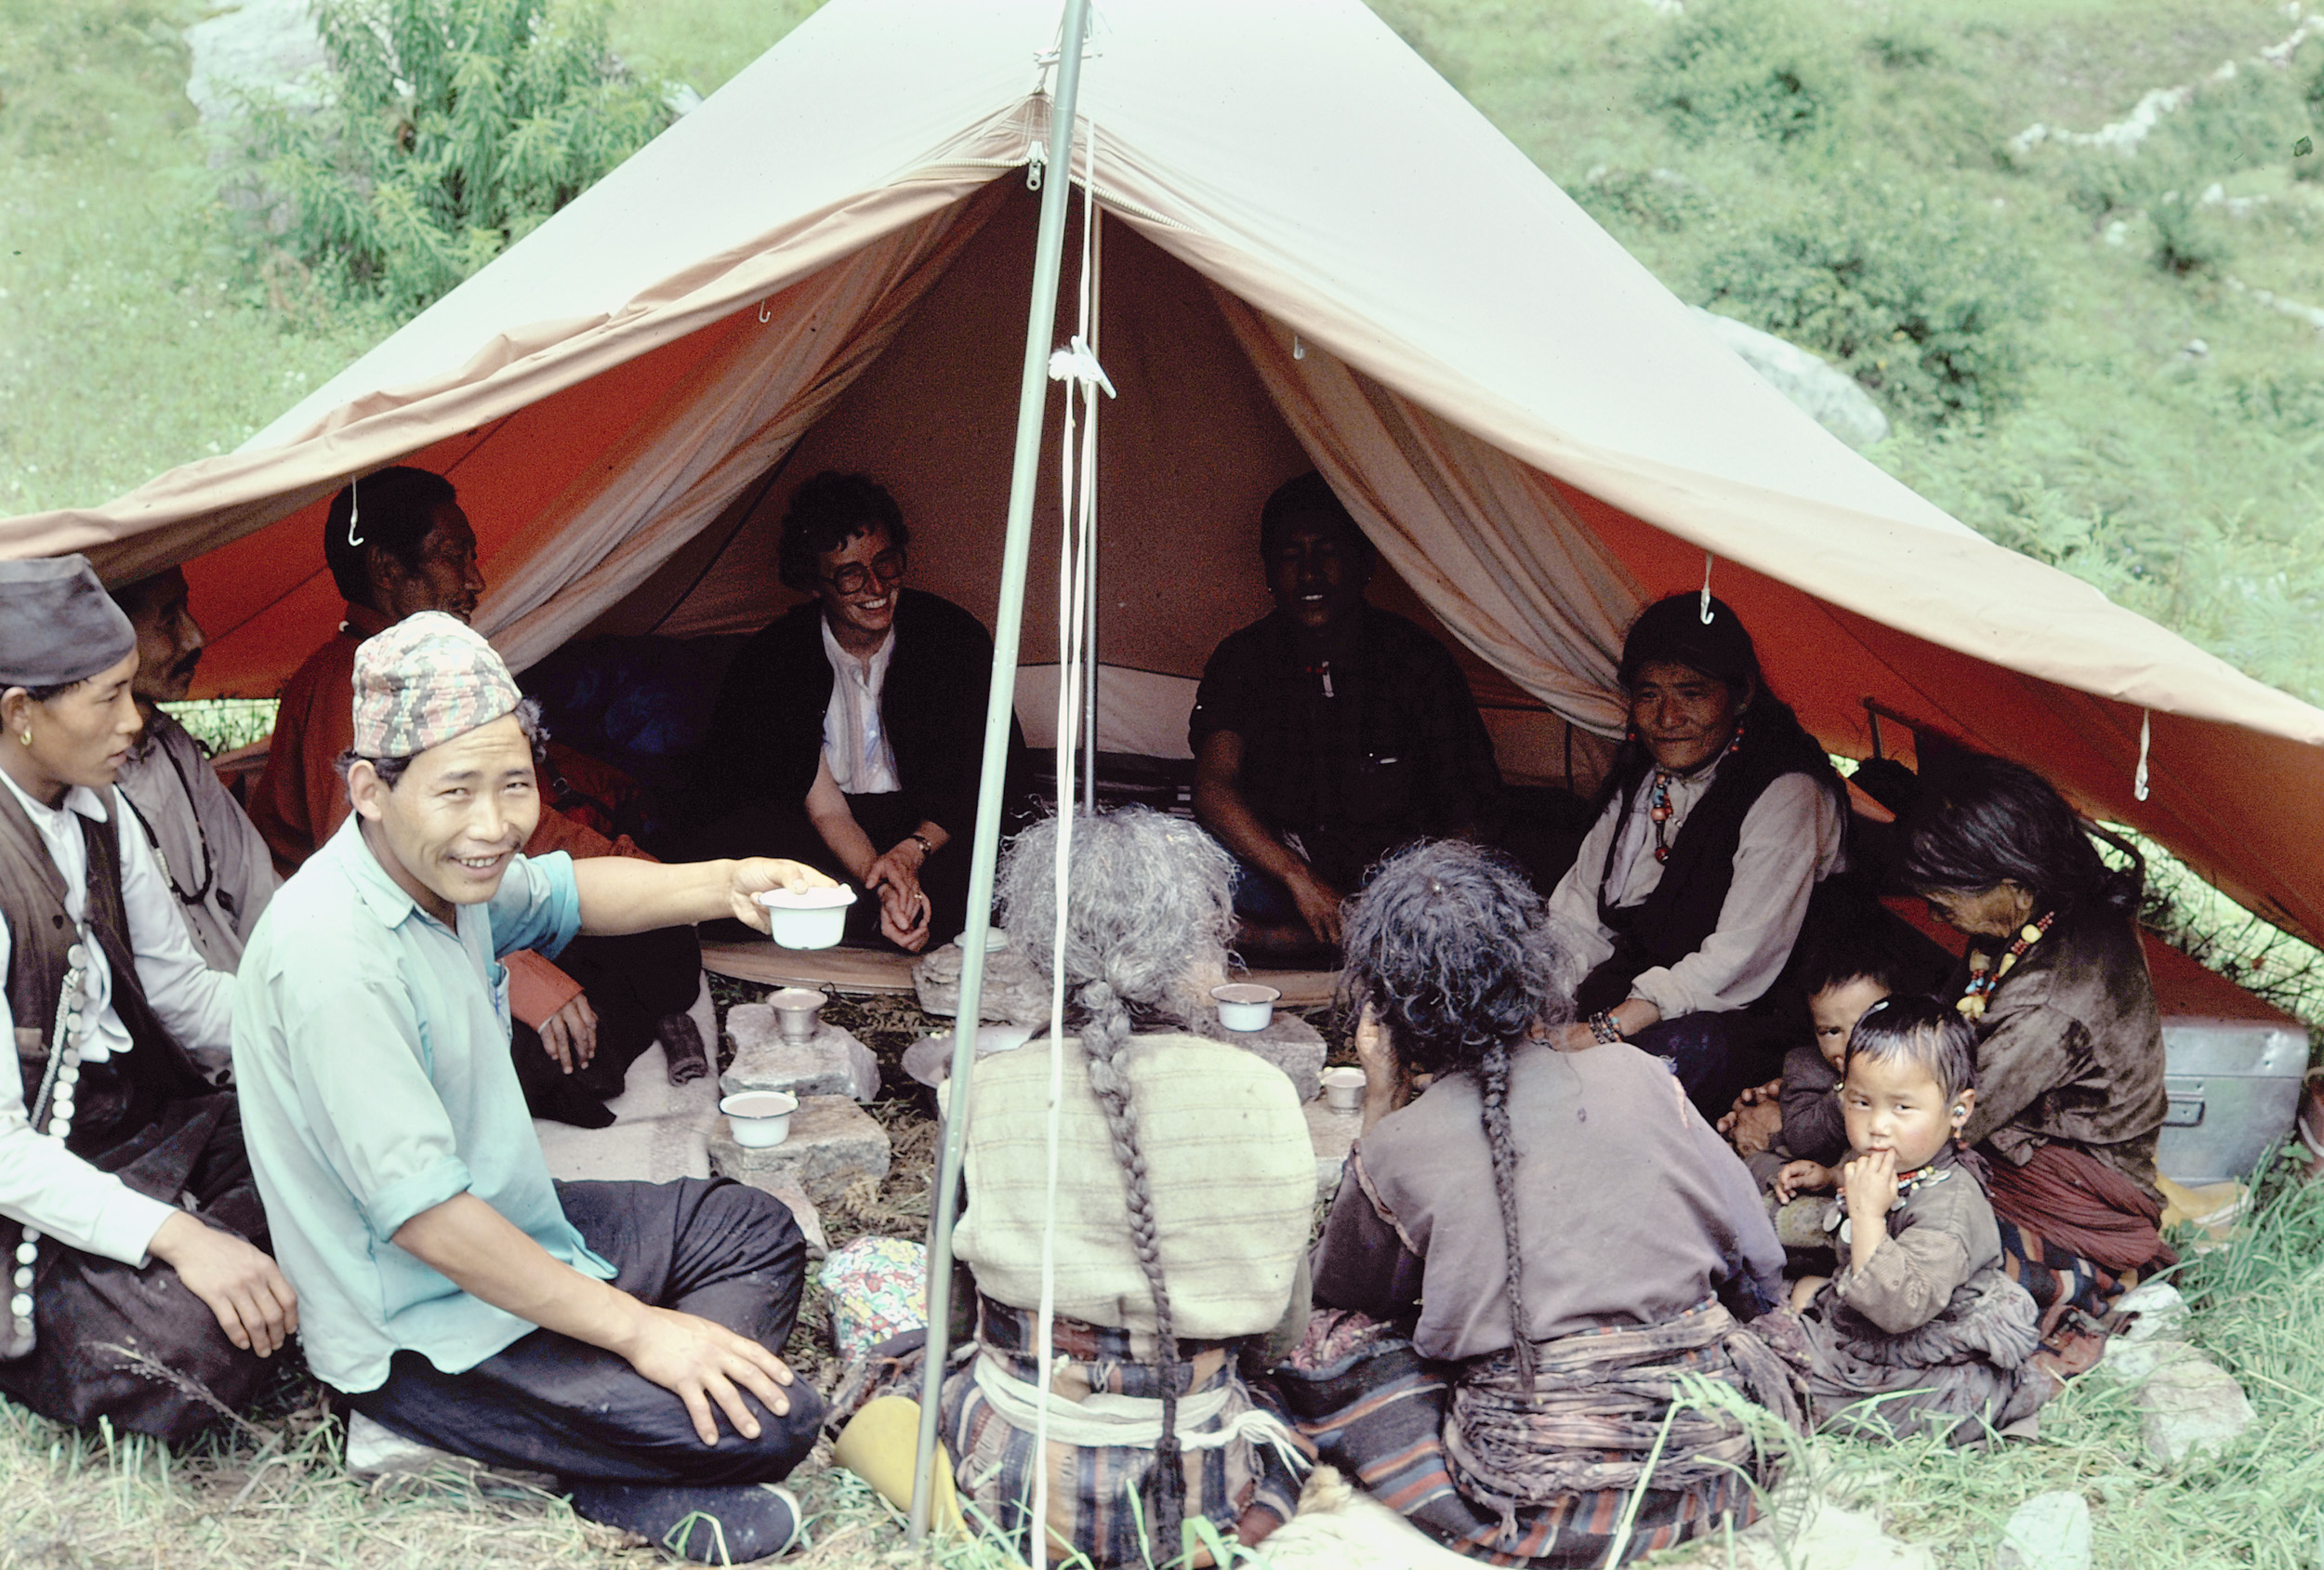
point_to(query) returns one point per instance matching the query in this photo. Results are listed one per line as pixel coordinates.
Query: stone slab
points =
(1288, 1042)
(2048, 1532)
(661, 1132)
(2134, 1362)
(831, 1063)
(1015, 993)
(2191, 1404)
(1333, 1135)
(833, 1144)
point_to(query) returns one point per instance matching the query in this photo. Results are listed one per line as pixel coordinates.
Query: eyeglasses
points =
(853, 577)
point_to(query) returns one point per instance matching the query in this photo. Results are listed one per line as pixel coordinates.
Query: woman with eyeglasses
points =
(850, 732)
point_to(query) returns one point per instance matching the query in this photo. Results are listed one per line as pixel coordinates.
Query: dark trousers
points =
(1715, 1056)
(105, 1327)
(763, 828)
(548, 1403)
(634, 982)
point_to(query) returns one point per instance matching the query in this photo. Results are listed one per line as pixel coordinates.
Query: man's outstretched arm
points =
(622, 894)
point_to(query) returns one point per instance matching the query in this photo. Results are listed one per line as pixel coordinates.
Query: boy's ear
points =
(1962, 1105)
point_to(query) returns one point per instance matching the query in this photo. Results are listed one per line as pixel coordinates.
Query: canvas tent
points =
(1316, 252)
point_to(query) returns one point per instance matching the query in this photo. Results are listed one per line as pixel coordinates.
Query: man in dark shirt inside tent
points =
(1330, 731)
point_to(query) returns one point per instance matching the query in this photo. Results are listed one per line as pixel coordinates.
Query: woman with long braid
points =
(1560, 1226)
(1186, 1188)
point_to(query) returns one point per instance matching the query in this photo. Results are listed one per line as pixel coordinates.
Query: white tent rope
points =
(2145, 742)
(1078, 367)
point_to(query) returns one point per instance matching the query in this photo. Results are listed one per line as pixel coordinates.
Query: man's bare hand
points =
(1751, 1127)
(1319, 905)
(705, 1364)
(570, 1035)
(757, 875)
(254, 1306)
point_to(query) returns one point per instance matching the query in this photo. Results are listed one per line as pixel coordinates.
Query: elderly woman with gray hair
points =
(1556, 1233)
(1182, 1215)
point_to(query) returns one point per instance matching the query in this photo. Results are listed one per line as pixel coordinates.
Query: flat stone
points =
(2192, 1405)
(782, 1185)
(833, 1144)
(2161, 1311)
(1288, 1042)
(2048, 1532)
(1804, 1530)
(661, 1132)
(1333, 1135)
(831, 1063)
(1014, 992)
(2134, 1362)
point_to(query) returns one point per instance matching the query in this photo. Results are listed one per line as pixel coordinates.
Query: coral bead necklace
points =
(1658, 808)
(1984, 975)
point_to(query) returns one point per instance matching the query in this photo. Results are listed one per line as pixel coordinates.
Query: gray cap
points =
(58, 626)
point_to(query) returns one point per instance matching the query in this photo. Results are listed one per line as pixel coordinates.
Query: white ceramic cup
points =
(759, 1118)
(814, 919)
(797, 1012)
(1344, 1089)
(1245, 1006)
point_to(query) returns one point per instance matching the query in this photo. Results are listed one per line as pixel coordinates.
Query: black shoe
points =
(709, 1525)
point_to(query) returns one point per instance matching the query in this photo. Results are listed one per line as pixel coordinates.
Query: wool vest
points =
(126, 1092)
(1681, 911)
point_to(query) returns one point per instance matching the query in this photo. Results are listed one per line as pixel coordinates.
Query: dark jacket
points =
(2069, 1050)
(766, 734)
(1684, 908)
(1397, 752)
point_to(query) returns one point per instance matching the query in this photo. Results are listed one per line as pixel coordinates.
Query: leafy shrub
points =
(451, 129)
(1625, 200)
(1748, 68)
(1923, 300)
(2189, 241)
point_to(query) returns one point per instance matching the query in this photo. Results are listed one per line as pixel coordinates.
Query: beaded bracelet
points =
(1602, 1025)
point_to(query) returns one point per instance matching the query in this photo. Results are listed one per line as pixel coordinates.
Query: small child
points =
(1921, 1329)
(1845, 971)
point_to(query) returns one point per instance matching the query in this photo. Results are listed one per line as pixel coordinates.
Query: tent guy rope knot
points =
(1077, 362)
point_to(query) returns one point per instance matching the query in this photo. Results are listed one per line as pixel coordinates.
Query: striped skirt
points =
(1100, 1495)
(1464, 1455)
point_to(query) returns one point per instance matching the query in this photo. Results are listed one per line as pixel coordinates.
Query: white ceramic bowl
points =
(1245, 1006)
(814, 919)
(759, 1118)
(1343, 1089)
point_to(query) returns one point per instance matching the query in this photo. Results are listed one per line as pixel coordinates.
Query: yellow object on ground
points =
(876, 1445)
(2214, 1208)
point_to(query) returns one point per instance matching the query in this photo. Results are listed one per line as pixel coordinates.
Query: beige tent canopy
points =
(1317, 254)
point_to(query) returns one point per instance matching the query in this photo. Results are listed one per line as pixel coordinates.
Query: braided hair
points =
(1151, 911)
(1455, 953)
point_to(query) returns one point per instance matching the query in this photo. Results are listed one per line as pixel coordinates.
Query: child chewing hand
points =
(1868, 1186)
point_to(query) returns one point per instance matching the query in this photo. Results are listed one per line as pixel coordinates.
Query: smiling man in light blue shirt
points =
(450, 1289)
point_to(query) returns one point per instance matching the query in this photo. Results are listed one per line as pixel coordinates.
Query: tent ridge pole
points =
(1000, 706)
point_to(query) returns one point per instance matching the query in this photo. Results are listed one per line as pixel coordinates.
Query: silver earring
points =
(26, 738)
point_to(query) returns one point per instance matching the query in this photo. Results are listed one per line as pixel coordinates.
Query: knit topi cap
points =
(58, 626)
(425, 680)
